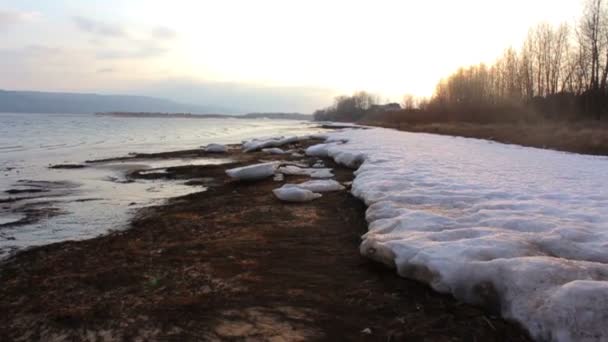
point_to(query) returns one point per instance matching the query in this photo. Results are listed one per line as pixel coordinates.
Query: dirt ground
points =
(231, 263)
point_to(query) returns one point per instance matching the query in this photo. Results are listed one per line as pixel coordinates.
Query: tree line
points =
(559, 72)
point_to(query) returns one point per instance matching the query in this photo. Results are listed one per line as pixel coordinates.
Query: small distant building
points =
(389, 107)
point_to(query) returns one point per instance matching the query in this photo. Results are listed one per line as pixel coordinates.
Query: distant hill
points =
(284, 116)
(143, 115)
(78, 103)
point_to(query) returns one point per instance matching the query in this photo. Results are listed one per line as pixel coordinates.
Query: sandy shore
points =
(230, 263)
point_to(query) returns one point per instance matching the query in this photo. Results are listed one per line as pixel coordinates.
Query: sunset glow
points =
(387, 47)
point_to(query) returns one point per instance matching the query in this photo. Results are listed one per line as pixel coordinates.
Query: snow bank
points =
(253, 172)
(295, 194)
(324, 185)
(258, 144)
(522, 230)
(215, 148)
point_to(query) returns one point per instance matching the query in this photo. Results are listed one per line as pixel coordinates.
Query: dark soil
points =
(67, 166)
(232, 263)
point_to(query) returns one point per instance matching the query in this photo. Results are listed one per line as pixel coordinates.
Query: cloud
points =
(241, 97)
(98, 27)
(163, 32)
(143, 51)
(10, 18)
(105, 70)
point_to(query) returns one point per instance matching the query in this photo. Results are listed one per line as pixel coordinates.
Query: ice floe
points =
(306, 171)
(262, 143)
(324, 185)
(274, 150)
(215, 148)
(253, 172)
(295, 194)
(521, 230)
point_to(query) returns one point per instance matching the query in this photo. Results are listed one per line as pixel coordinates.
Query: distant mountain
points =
(276, 116)
(78, 103)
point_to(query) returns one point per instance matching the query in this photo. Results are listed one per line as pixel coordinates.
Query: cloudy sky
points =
(257, 55)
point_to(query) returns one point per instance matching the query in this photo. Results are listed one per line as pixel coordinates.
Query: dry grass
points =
(580, 137)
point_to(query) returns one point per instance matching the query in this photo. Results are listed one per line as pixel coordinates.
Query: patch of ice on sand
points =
(215, 148)
(258, 144)
(305, 171)
(522, 230)
(324, 185)
(274, 150)
(295, 194)
(253, 172)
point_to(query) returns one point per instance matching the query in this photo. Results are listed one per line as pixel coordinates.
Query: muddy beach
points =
(230, 263)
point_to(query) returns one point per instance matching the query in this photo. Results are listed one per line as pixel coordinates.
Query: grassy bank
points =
(581, 137)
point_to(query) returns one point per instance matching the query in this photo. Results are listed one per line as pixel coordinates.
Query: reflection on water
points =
(39, 205)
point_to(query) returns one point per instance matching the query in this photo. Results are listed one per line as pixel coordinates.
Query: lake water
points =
(83, 203)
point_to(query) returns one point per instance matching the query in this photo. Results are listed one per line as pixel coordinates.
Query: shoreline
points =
(231, 262)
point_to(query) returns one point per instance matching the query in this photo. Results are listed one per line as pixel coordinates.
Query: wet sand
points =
(230, 263)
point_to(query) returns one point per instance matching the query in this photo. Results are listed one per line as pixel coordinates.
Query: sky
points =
(264, 55)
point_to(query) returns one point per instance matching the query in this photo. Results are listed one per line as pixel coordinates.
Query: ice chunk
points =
(520, 229)
(299, 171)
(215, 148)
(253, 172)
(318, 150)
(258, 144)
(293, 170)
(295, 194)
(321, 173)
(274, 150)
(325, 185)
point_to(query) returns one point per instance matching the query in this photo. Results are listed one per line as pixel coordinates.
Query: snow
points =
(295, 194)
(253, 172)
(262, 143)
(324, 185)
(521, 230)
(274, 150)
(215, 148)
(306, 171)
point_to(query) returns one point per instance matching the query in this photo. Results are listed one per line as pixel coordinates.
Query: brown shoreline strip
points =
(232, 263)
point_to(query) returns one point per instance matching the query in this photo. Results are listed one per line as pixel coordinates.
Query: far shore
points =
(276, 116)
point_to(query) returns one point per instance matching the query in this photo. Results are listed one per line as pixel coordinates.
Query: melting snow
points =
(324, 185)
(274, 150)
(215, 148)
(305, 171)
(523, 230)
(253, 172)
(261, 143)
(295, 194)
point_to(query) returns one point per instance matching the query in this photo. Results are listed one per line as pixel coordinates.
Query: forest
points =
(559, 73)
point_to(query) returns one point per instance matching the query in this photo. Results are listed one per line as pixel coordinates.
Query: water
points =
(84, 203)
